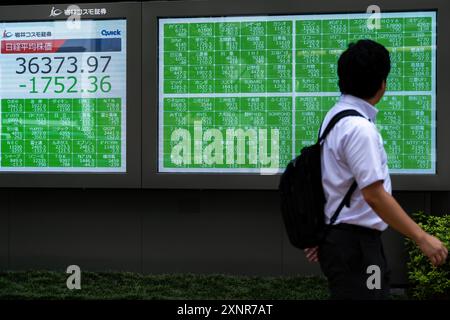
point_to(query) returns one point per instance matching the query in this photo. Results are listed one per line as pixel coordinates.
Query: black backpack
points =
(302, 195)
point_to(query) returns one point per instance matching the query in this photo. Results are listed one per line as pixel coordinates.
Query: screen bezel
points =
(131, 178)
(152, 12)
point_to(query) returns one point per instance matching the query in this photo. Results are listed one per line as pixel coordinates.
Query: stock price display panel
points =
(63, 96)
(245, 94)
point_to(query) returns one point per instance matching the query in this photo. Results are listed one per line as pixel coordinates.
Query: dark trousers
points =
(345, 256)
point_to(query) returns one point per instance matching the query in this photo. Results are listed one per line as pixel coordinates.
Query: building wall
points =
(166, 231)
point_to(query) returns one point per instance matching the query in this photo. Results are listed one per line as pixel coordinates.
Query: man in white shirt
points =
(354, 151)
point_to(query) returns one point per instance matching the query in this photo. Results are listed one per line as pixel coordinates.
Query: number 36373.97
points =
(70, 65)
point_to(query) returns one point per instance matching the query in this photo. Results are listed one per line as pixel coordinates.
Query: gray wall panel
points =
(413, 201)
(214, 232)
(440, 203)
(4, 230)
(97, 230)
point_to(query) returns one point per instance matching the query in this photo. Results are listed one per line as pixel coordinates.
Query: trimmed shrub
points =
(427, 281)
(50, 285)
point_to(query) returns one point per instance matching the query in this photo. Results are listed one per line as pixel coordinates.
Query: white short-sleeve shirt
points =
(353, 150)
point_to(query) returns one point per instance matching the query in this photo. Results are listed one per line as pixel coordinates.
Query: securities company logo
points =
(27, 34)
(54, 12)
(7, 34)
(74, 10)
(74, 14)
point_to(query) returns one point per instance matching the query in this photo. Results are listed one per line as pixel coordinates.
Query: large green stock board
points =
(245, 94)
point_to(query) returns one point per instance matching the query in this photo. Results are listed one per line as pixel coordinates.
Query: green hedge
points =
(428, 282)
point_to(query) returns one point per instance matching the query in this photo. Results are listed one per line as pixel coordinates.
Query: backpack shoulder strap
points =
(335, 119)
(346, 200)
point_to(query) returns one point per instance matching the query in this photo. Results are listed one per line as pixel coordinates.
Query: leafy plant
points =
(427, 281)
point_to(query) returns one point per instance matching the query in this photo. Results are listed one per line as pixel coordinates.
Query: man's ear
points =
(380, 93)
(382, 89)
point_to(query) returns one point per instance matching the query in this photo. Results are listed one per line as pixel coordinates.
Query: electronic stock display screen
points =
(63, 96)
(246, 94)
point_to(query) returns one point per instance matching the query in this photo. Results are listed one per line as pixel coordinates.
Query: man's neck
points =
(373, 101)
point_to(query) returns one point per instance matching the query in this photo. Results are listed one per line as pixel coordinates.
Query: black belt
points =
(355, 228)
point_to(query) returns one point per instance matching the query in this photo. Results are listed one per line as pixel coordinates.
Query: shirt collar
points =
(361, 105)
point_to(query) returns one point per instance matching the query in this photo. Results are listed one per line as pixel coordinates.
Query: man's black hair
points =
(362, 68)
